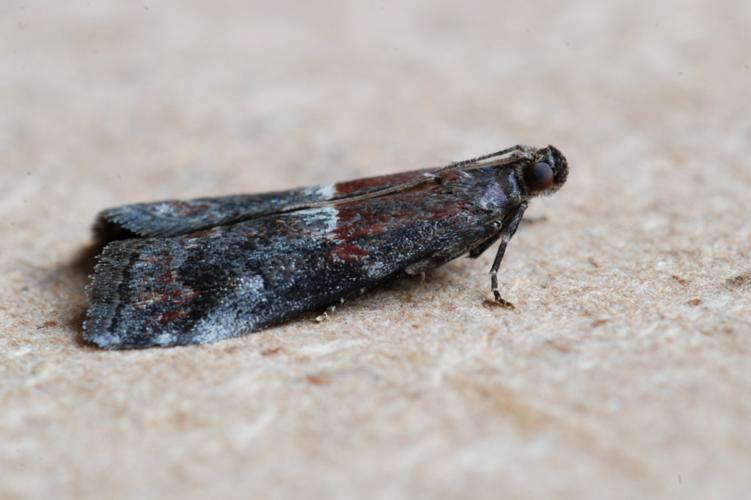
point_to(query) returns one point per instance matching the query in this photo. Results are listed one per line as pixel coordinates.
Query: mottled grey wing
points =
(238, 278)
(176, 217)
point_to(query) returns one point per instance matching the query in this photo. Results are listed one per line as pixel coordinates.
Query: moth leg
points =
(531, 221)
(508, 229)
(329, 310)
(480, 249)
(325, 314)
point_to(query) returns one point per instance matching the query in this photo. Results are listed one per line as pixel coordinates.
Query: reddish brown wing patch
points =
(362, 186)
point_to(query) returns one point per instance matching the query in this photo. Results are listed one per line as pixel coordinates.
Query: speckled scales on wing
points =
(175, 217)
(237, 278)
(204, 270)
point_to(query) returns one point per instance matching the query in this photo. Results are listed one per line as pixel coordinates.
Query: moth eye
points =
(539, 177)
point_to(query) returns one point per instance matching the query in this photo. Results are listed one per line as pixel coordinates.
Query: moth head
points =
(545, 173)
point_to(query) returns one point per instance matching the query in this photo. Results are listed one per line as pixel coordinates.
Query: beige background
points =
(625, 372)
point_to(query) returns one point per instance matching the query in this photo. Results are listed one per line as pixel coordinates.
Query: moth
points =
(192, 272)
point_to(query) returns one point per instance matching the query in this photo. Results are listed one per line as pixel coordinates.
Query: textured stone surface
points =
(623, 373)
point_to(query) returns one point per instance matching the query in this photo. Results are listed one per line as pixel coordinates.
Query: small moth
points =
(198, 271)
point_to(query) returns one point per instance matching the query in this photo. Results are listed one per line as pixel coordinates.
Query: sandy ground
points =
(625, 371)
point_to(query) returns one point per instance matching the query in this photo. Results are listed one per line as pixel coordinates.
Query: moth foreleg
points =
(510, 225)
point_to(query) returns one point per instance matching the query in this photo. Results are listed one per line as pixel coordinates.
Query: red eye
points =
(539, 177)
